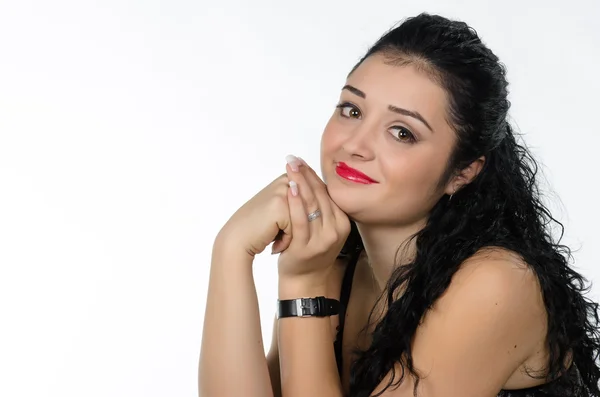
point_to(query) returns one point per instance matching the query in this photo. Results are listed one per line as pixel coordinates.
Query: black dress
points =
(569, 384)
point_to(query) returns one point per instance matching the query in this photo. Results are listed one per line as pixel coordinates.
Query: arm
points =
(232, 363)
(273, 361)
(306, 354)
(307, 358)
(333, 288)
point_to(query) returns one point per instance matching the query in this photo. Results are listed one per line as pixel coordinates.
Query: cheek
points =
(331, 141)
(330, 138)
(414, 176)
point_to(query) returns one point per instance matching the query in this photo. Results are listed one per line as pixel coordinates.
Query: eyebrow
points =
(392, 108)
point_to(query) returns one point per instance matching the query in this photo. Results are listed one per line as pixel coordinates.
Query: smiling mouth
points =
(353, 175)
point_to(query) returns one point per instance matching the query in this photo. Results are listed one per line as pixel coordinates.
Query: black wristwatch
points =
(308, 307)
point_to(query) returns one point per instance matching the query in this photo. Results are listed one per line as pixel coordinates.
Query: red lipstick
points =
(351, 174)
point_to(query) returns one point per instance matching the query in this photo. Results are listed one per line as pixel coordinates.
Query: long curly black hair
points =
(502, 207)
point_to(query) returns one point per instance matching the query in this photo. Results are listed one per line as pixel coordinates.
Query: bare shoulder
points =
(499, 258)
(498, 276)
(499, 264)
(489, 321)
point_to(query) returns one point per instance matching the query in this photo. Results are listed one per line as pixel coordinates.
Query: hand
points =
(264, 218)
(314, 245)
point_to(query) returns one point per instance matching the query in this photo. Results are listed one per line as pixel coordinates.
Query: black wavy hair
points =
(502, 207)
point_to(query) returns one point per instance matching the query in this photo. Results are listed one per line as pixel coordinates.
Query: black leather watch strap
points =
(308, 307)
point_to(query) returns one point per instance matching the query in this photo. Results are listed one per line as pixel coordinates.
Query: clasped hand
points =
(314, 244)
(279, 214)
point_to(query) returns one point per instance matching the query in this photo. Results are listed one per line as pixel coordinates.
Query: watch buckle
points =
(303, 307)
(306, 308)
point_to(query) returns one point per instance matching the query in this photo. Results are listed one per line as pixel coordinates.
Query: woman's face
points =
(392, 127)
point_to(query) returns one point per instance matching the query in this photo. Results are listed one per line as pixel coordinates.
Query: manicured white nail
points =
(293, 162)
(294, 188)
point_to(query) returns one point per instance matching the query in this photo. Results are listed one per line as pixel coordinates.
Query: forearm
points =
(306, 355)
(232, 359)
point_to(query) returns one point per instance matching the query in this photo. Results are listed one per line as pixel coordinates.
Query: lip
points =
(354, 175)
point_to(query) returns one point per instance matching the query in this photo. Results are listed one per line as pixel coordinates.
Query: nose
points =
(361, 141)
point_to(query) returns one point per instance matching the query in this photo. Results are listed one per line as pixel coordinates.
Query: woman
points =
(427, 226)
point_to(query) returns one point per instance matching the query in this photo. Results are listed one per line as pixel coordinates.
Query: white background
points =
(131, 130)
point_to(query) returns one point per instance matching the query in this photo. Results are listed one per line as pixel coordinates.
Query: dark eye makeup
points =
(404, 134)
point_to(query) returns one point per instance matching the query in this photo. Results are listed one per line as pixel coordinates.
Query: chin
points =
(348, 202)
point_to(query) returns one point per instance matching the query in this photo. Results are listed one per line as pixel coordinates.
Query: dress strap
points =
(344, 299)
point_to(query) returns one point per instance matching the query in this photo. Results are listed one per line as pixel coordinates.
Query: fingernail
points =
(301, 160)
(294, 188)
(293, 162)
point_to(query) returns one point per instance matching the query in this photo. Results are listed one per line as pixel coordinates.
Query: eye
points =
(348, 110)
(403, 134)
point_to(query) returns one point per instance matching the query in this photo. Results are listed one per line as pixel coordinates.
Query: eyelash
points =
(411, 137)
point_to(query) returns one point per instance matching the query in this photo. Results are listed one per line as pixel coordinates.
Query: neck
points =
(381, 244)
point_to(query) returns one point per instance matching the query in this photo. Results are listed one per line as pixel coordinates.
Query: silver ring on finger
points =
(314, 215)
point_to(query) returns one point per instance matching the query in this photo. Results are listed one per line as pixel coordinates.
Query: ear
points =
(464, 176)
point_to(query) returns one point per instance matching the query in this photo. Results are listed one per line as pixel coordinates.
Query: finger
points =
(298, 216)
(282, 243)
(331, 211)
(284, 223)
(311, 203)
(319, 190)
